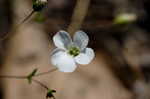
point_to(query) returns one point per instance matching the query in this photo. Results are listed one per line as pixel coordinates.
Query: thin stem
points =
(25, 77)
(78, 16)
(44, 73)
(40, 83)
(17, 26)
(13, 77)
(24, 20)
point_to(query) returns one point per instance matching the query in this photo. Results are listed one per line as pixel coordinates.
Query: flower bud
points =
(38, 5)
(125, 18)
(50, 93)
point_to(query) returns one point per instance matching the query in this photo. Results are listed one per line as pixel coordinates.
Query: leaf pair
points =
(31, 75)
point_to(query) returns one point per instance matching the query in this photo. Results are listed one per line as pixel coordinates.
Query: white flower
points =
(69, 52)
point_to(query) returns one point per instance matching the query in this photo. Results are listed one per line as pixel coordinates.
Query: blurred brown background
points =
(122, 51)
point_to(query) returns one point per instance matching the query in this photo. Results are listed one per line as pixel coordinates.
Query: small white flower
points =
(69, 52)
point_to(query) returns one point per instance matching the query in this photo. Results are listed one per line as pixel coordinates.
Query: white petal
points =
(56, 50)
(62, 39)
(81, 39)
(63, 61)
(85, 58)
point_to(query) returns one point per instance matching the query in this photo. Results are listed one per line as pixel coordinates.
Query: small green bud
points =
(38, 5)
(125, 18)
(50, 93)
(29, 77)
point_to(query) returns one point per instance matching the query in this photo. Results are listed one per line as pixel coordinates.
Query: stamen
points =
(74, 51)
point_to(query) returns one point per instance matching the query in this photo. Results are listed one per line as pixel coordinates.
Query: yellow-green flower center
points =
(74, 51)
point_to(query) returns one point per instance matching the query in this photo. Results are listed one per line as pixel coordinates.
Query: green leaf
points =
(50, 93)
(29, 77)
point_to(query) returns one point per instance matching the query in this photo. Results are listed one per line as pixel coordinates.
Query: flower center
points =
(74, 51)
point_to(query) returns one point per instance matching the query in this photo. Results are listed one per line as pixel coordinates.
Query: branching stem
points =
(26, 77)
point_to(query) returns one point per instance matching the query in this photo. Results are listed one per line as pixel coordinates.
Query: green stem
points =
(44, 73)
(40, 83)
(13, 77)
(25, 77)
